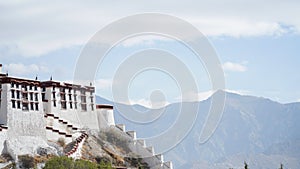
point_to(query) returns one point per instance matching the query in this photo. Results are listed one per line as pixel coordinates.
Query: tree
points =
(246, 165)
(281, 166)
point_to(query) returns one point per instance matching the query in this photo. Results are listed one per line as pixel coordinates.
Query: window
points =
(71, 105)
(83, 99)
(62, 90)
(19, 104)
(12, 94)
(17, 85)
(25, 107)
(75, 104)
(25, 96)
(13, 104)
(83, 107)
(18, 94)
(54, 103)
(30, 87)
(63, 97)
(53, 95)
(31, 96)
(92, 99)
(24, 87)
(70, 97)
(36, 106)
(35, 88)
(12, 85)
(92, 107)
(63, 105)
(31, 106)
(75, 98)
(36, 97)
(43, 96)
(44, 89)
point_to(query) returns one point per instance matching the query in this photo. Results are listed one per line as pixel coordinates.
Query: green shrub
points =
(59, 163)
(82, 164)
(68, 163)
(104, 165)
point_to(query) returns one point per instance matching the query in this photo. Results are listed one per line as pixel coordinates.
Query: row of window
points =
(63, 90)
(83, 98)
(35, 106)
(24, 87)
(64, 105)
(17, 94)
(34, 96)
(25, 106)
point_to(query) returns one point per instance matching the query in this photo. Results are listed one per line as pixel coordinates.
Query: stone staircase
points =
(75, 152)
(61, 121)
(59, 132)
(63, 128)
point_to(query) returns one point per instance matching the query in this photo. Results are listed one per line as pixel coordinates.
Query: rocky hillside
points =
(110, 146)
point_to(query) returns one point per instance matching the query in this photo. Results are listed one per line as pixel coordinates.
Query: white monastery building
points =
(34, 113)
(47, 110)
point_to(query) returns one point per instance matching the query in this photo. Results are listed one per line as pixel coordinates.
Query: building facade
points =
(49, 97)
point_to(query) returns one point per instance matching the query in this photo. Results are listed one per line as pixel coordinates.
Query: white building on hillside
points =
(47, 110)
(35, 113)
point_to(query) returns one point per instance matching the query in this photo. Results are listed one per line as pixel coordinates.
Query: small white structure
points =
(105, 115)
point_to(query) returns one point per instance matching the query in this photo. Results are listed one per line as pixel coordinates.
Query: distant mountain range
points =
(260, 131)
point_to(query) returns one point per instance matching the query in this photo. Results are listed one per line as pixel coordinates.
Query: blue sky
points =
(259, 50)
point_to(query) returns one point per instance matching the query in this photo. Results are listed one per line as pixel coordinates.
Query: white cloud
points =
(143, 40)
(239, 92)
(103, 83)
(234, 67)
(19, 69)
(193, 97)
(30, 28)
(149, 104)
(298, 100)
(237, 27)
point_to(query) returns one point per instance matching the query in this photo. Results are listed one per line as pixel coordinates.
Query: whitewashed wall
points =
(105, 118)
(3, 137)
(78, 117)
(4, 103)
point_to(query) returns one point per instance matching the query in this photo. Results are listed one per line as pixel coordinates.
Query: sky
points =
(257, 43)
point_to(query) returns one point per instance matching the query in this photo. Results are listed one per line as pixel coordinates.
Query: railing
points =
(77, 146)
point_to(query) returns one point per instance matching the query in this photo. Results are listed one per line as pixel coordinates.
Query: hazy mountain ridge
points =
(254, 129)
